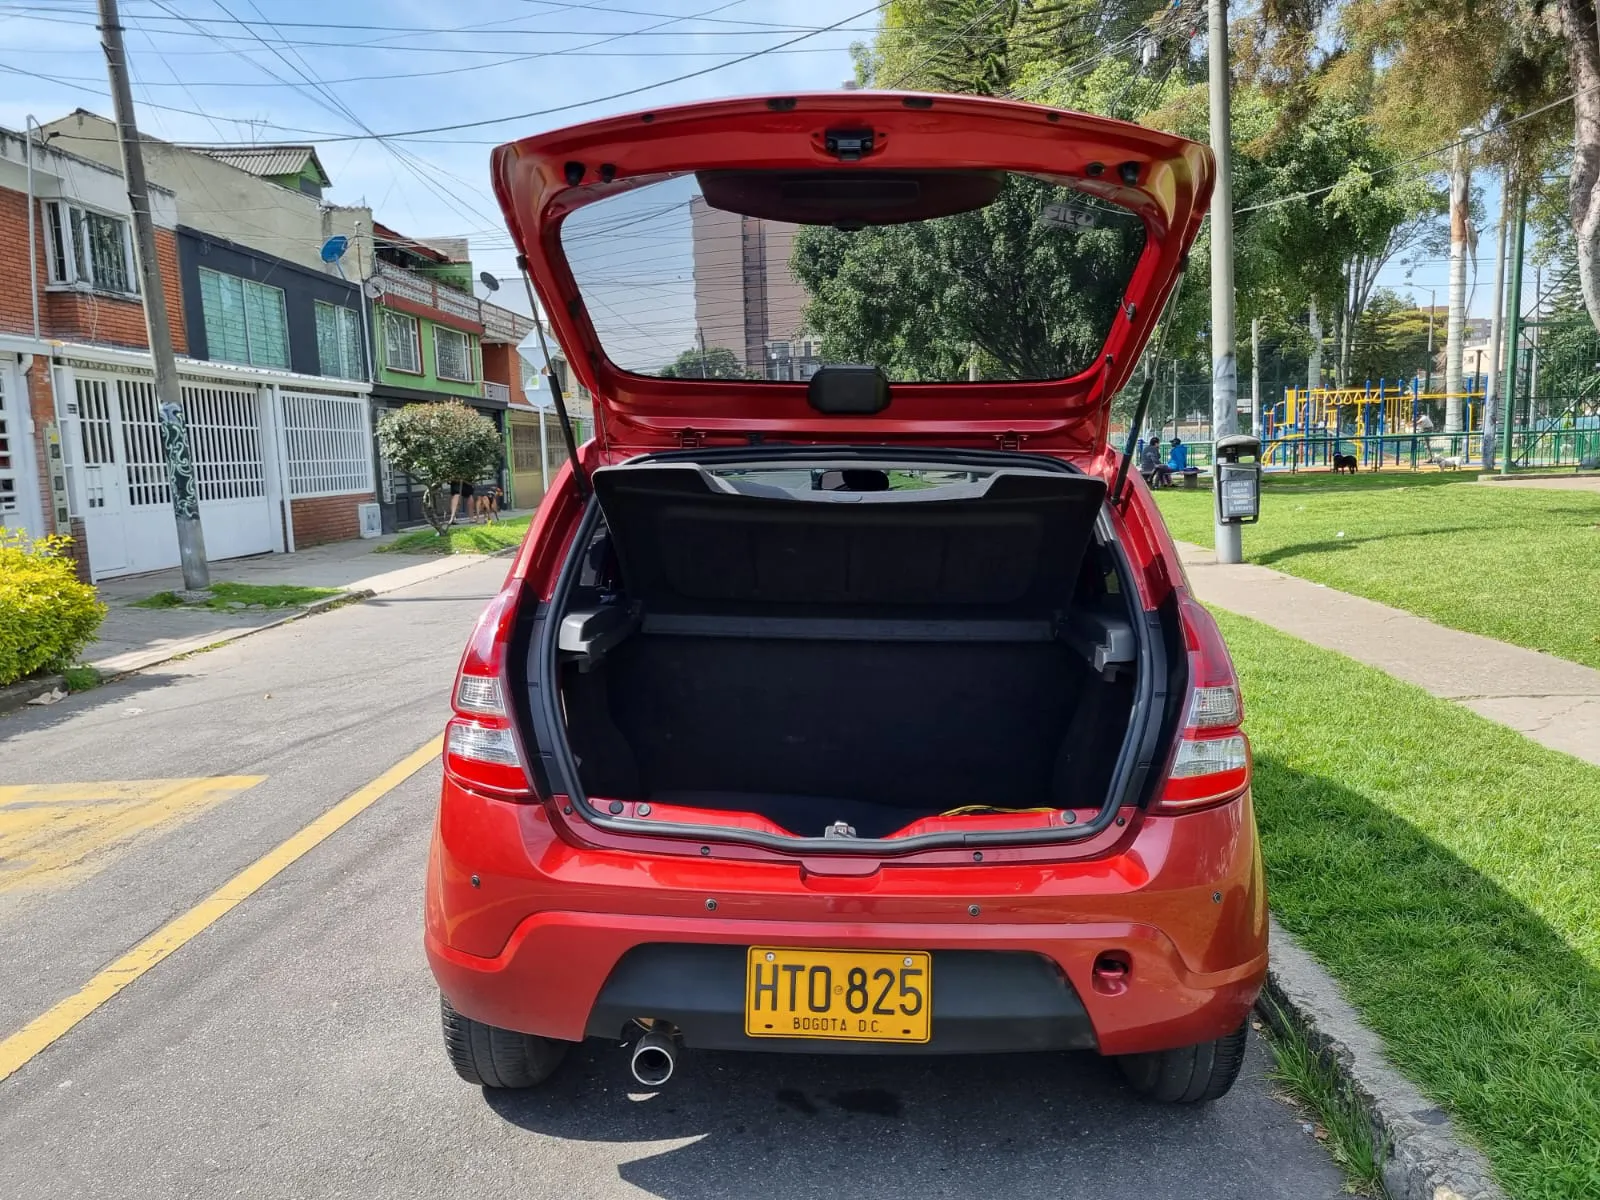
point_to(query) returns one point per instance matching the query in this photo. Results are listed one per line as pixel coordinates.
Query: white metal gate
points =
(104, 483)
(226, 438)
(126, 495)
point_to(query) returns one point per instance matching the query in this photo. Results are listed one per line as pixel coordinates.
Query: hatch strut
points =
(579, 475)
(1144, 394)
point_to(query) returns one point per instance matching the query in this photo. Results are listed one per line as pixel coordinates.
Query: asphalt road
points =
(292, 1048)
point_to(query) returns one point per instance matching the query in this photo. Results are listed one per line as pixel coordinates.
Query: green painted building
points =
(427, 342)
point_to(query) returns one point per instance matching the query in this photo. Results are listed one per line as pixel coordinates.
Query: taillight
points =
(1212, 762)
(480, 748)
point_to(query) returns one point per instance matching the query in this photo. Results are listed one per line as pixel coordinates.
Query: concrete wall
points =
(786, 297)
(744, 293)
(719, 298)
(220, 199)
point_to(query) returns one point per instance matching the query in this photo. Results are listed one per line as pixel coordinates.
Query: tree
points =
(989, 47)
(1390, 342)
(1017, 283)
(438, 444)
(716, 363)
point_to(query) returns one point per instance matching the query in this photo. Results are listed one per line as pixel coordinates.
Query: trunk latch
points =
(1011, 440)
(691, 439)
(848, 145)
(839, 830)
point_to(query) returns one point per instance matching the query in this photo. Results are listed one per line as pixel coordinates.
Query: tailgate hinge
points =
(1011, 440)
(691, 439)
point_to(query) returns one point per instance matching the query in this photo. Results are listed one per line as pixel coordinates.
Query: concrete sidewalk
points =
(131, 639)
(1551, 700)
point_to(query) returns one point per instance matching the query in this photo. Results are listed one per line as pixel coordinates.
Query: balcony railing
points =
(503, 325)
(497, 391)
(408, 285)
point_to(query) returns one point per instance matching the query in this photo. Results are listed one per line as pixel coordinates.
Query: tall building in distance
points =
(745, 297)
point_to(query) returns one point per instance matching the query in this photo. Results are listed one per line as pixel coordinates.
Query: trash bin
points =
(1238, 479)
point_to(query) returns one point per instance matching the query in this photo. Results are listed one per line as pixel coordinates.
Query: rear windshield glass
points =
(1024, 286)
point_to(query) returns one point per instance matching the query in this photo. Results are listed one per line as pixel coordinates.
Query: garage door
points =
(131, 527)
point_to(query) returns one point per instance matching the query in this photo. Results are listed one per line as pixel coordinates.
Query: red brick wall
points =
(69, 315)
(16, 314)
(502, 364)
(326, 519)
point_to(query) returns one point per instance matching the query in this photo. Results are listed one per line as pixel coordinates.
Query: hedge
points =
(46, 615)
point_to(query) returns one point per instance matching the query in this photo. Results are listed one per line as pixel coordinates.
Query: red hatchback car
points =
(840, 700)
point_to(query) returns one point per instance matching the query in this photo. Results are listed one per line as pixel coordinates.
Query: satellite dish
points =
(333, 249)
(372, 289)
(488, 281)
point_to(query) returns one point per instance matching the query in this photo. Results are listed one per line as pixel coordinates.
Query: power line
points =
(648, 87)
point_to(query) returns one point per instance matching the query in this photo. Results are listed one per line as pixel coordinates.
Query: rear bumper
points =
(526, 931)
(576, 975)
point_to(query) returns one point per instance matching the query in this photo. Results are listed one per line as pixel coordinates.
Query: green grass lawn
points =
(1447, 871)
(1518, 564)
(226, 596)
(461, 539)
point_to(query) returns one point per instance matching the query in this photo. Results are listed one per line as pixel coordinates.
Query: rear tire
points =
(497, 1058)
(1189, 1074)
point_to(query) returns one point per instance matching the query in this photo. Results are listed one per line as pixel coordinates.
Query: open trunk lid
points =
(1001, 265)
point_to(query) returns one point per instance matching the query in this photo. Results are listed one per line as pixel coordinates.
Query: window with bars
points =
(90, 249)
(329, 444)
(401, 350)
(525, 447)
(245, 321)
(452, 354)
(339, 341)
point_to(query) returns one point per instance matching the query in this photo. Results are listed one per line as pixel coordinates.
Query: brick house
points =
(272, 362)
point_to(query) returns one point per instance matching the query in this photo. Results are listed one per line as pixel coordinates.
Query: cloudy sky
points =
(336, 73)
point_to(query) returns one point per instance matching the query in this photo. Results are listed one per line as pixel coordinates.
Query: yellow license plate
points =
(851, 995)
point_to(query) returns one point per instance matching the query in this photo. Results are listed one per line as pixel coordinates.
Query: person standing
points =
(460, 496)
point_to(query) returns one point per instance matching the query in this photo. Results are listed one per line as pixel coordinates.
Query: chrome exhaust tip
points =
(655, 1056)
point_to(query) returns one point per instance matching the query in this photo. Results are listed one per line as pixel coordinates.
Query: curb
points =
(1422, 1156)
(181, 651)
(15, 696)
(445, 566)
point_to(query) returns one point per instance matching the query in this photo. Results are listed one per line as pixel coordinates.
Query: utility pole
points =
(1314, 363)
(1224, 364)
(1455, 324)
(1255, 376)
(169, 393)
(1515, 336)
(1176, 363)
(1491, 390)
(1433, 298)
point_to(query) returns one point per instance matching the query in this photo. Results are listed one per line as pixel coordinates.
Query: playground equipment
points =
(1392, 421)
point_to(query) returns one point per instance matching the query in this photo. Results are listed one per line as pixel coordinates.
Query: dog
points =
(486, 503)
(1446, 464)
(1344, 463)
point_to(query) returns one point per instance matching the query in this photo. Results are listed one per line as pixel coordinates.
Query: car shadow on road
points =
(781, 1127)
(34, 717)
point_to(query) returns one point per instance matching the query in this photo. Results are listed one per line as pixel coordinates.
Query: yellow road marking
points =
(45, 1029)
(49, 832)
